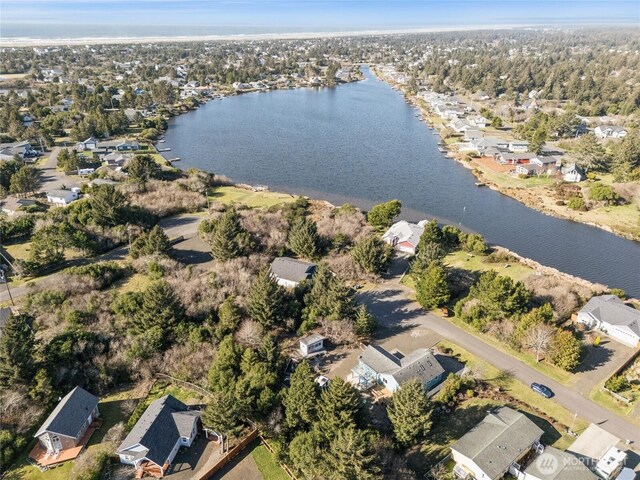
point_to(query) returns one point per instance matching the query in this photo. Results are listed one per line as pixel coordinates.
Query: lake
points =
(361, 143)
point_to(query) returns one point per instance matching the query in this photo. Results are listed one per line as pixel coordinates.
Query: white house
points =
(610, 131)
(165, 426)
(311, 344)
(609, 314)
(493, 447)
(289, 272)
(404, 236)
(597, 447)
(62, 198)
(518, 146)
(572, 173)
(89, 144)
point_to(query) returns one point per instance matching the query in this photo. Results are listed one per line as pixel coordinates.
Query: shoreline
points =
(453, 155)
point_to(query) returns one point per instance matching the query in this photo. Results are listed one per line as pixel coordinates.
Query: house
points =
(572, 173)
(311, 344)
(609, 314)
(610, 131)
(479, 121)
(495, 446)
(66, 426)
(89, 144)
(127, 145)
(62, 198)
(548, 162)
(289, 272)
(596, 446)
(165, 426)
(102, 181)
(404, 236)
(473, 134)
(508, 158)
(528, 169)
(378, 366)
(115, 158)
(22, 149)
(518, 146)
(554, 464)
(461, 125)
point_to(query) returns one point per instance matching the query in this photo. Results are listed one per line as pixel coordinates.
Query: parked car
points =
(542, 390)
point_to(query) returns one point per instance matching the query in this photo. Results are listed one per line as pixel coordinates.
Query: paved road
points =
(396, 312)
(185, 226)
(52, 179)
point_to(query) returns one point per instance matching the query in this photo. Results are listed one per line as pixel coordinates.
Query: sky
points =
(40, 18)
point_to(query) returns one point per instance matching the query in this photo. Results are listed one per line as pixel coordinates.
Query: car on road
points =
(542, 390)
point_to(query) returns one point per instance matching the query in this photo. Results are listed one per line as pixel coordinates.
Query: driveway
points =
(395, 312)
(52, 179)
(194, 461)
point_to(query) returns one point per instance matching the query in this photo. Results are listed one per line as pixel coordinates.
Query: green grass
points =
(610, 403)
(230, 195)
(269, 468)
(478, 263)
(25, 471)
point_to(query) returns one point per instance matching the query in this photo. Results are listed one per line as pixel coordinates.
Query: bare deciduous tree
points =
(538, 338)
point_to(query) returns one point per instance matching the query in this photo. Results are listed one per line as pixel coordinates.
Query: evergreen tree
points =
(410, 413)
(17, 366)
(364, 324)
(25, 180)
(42, 390)
(383, 215)
(160, 308)
(565, 350)
(303, 238)
(427, 253)
(328, 298)
(223, 414)
(432, 234)
(143, 168)
(229, 239)
(340, 407)
(108, 205)
(371, 254)
(229, 317)
(538, 139)
(432, 289)
(308, 452)
(266, 300)
(225, 368)
(300, 398)
(351, 456)
(590, 154)
(154, 242)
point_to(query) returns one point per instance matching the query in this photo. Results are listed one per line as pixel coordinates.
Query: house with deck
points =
(496, 446)
(377, 366)
(165, 426)
(67, 429)
(404, 236)
(610, 315)
(289, 272)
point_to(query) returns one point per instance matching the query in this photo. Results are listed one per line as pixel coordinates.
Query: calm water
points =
(360, 143)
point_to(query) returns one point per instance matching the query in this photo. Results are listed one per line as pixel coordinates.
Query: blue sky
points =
(258, 16)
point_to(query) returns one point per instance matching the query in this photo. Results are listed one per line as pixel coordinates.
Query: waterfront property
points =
(67, 429)
(289, 272)
(165, 426)
(496, 446)
(404, 236)
(377, 366)
(609, 314)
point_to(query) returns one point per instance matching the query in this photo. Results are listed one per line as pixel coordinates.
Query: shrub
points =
(450, 388)
(603, 193)
(10, 446)
(576, 203)
(617, 383)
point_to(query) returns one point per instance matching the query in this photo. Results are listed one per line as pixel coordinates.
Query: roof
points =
(159, 428)
(291, 269)
(404, 232)
(498, 440)
(70, 414)
(610, 309)
(60, 193)
(420, 364)
(593, 443)
(313, 338)
(568, 466)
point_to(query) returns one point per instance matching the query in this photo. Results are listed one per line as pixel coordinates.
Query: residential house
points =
(565, 467)
(495, 446)
(518, 146)
(62, 198)
(508, 158)
(289, 272)
(600, 449)
(572, 173)
(66, 426)
(610, 131)
(609, 314)
(128, 145)
(479, 121)
(311, 344)
(165, 426)
(404, 236)
(461, 125)
(115, 158)
(472, 135)
(378, 366)
(528, 169)
(89, 144)
(22, 149)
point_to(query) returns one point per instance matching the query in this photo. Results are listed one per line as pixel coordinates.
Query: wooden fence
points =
(230, 455)
(185, 384)
(284, 467)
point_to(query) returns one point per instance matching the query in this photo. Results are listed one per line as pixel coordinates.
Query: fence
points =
(286, 469)
(189, 385)
(230, 455)
(618, 371)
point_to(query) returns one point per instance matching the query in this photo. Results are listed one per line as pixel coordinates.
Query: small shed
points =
(311, 344)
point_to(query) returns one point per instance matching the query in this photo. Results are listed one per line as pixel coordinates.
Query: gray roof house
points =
(609, 314)
(165, 426)
(289, 272)
(495, 445)
(66, 426)
(379, 366)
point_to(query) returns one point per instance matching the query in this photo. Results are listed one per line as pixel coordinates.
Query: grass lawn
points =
(230, 195)
(25, 471)
(513, 181)
(478, 263)
(609, 402)
(267, 465)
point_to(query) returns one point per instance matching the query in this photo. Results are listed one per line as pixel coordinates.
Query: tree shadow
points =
(595, 357)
